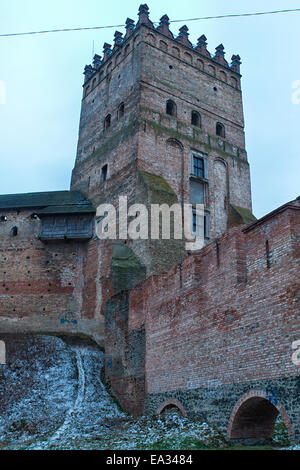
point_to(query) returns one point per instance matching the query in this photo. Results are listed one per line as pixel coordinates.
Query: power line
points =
(238, 15)
(172, 21)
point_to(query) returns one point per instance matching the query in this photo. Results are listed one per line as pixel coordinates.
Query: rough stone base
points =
(217, 406)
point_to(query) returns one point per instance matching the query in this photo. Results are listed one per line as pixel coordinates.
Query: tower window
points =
(201, 224)
(121, 110)
(220, 130)
(3, 218)
(107, 122)
(104, 172)
(14, 232)
(206, 225)
(196, 119)
(194, 222)
(171, 108)
(197, 192)
(198, 167)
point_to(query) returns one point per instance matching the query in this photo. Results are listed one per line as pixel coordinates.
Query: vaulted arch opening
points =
(253, 420)
(171, 406)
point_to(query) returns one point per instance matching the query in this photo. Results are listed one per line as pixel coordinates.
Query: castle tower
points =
(155, 106)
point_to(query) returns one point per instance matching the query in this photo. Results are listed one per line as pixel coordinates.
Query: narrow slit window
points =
(14, 231)
(268, 254)
(107, 122)
(121, 111)
(104, 172)
(206, 225)
(194, 222)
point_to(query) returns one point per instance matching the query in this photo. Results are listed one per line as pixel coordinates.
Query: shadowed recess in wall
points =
(127, 270)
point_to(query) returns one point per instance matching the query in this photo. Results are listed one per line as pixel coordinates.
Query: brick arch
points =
(151, 38)
(174, 402)
(174, 143)
(220, 159)
(267, 412)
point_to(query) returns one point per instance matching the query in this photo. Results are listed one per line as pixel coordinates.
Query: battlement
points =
(178, 46)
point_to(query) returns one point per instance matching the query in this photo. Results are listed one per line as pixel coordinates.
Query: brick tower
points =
(161, 122)
(159, 116)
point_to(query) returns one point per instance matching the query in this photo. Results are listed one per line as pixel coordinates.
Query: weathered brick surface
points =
(44, 287)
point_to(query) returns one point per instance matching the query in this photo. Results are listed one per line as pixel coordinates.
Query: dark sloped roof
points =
(67, 209)
(53, 202)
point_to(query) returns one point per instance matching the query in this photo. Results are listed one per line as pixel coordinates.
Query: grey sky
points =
(43, 78)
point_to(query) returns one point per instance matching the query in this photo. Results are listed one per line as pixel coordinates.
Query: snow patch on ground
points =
(64, 405)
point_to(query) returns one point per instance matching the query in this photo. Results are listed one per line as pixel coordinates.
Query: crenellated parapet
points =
(199, 51)
(118, 40)
(202, 46)
(236, 63)
(130, 27)
(183, 36)
(144, 16)
(220, 55)
(164, 26)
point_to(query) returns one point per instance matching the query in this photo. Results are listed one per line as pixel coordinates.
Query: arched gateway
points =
(253, 418)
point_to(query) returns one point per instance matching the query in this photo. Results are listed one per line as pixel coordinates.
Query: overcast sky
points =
(43, 79)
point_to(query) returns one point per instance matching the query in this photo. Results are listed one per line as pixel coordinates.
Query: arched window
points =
(196, 119)
(171, 108)
(14, 232)
(107, 122)
(121, 110)
(220, 129)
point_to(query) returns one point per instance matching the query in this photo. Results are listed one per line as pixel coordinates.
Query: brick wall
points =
(45, 287)
(233, 320)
